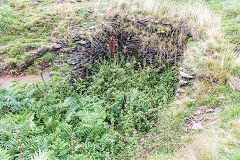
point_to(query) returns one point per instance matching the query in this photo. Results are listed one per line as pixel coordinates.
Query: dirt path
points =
(6, 79)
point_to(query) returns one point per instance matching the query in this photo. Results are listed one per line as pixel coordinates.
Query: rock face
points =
(148, 41)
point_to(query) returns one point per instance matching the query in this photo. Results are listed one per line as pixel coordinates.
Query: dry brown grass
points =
(207, 145)
(203, 148)
(203, 87)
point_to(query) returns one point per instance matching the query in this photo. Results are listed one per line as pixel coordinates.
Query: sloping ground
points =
(213, 59)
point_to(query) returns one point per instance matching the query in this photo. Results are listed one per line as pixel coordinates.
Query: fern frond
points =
(4, 155)
(40, 155)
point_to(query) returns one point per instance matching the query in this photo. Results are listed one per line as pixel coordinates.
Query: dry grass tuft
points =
(205, 147)
(209, 144)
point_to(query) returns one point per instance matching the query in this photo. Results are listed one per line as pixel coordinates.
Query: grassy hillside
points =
(120, 112)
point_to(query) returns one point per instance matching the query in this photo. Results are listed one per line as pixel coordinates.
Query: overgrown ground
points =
(119, 112)
(104, 116)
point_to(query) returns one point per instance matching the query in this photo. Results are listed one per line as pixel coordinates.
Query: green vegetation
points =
(8, 20)
(119, 112)
(26, 26)
(105, 116)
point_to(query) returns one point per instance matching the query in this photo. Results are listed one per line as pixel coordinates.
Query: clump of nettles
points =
(102, 117)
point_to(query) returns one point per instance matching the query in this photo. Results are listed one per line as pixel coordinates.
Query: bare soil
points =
(5, 80)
